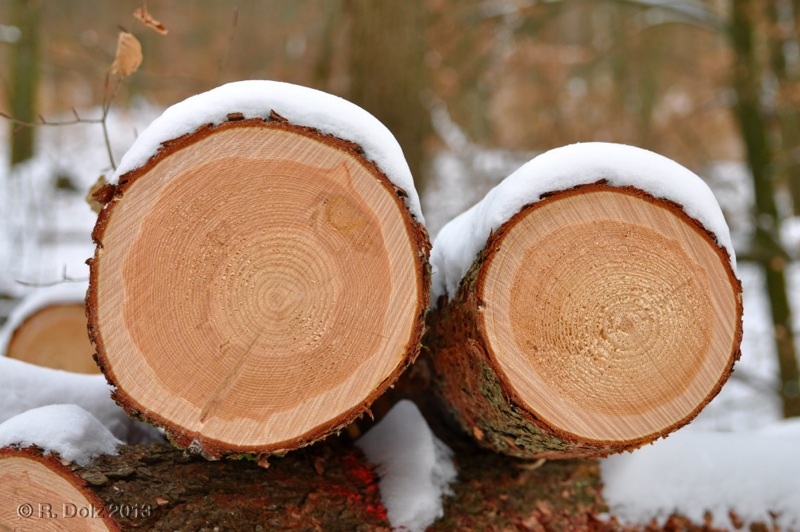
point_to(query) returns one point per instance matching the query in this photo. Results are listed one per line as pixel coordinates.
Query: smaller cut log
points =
(49, 329)
(594, 319)
(258, 282)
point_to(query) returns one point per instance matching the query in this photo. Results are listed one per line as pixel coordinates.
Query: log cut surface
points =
(55, 337)
(595, 320)
(255, 286)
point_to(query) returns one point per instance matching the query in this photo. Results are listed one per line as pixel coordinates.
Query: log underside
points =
(609, 320)
(324, 487)
(274, 254)
(55, 337)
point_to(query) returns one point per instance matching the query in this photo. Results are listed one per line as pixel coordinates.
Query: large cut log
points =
(588, 305)
(258, 281)
(325, 487)
(48, 328)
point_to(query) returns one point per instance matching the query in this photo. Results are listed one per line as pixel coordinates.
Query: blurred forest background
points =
(471, 88)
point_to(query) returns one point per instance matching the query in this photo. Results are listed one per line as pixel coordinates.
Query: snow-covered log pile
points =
(48, 328)
(261, 277)
(587, 305)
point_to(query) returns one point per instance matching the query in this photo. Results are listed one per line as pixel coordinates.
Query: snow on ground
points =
(68, 430)
(459, 242)
(415, 467)
(25, 386)
(691, 473)
(300, 105)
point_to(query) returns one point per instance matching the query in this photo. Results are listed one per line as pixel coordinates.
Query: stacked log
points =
(257, 282)
(594, 318)
(48, 328)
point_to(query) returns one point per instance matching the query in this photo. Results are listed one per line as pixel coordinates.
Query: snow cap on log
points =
(68, 430)
(302, 106)
(459, 242)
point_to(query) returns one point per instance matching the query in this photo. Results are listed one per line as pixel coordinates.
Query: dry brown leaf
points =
(129, 55)
(142, 14)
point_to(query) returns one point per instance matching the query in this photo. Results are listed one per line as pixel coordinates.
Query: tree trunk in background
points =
(388, 73)
(786, 113)
(24, 76)
(767, 245)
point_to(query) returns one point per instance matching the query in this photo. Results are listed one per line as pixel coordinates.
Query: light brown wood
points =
(55, 337)
(37, 493)
(611, 316)
(257, 288)
(595, 320)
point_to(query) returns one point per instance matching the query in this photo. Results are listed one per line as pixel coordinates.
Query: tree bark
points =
(325, 487)
(255, 287)
(594, 321)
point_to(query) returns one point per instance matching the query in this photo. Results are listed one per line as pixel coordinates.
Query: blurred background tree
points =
(473, 88)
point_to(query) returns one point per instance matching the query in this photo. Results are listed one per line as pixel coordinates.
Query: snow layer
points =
(300, 105)
(68, 430)
(37, 300)
(751, 473)
(25, 386)
(458, 243)
(415, 467)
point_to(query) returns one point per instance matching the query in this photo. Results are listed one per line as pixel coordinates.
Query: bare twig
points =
(64, 279)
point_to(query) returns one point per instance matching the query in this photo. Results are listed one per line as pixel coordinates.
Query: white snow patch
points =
(38, 299)
(299, 105)
(415, 467)
(26, 386)
(68, 430)
(751, 473)
(459, 242)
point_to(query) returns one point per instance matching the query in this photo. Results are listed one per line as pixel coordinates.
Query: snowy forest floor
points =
(45, 238)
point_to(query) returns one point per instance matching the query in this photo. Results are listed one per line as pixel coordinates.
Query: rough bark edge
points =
(477, 392)
(208, 447)
(67, 472)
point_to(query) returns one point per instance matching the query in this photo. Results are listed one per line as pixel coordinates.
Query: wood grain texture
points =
(594, 321)
(255, 286)
(55, 337)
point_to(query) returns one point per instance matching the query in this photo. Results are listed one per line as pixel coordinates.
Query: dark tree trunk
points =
(760, 157)
(24, 75)
(388, 73)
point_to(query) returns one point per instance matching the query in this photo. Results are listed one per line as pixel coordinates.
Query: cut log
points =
(55, 337)
(256, 285)
(48, 328)
(595, 320)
